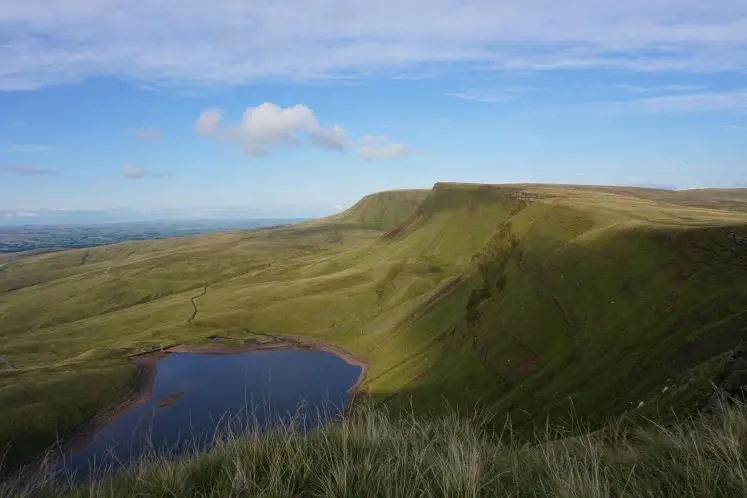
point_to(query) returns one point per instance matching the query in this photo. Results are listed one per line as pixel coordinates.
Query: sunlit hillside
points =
(525, 300)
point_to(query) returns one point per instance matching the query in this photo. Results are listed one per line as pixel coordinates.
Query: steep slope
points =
(464, 292)
(599, 298)
(380, 211)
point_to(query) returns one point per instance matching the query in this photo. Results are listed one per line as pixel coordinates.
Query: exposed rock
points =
(738, 239)
(731, 384)
(6, 364)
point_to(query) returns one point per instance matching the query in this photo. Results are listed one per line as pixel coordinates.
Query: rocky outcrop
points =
(731, 384)
(738, 239)
(5, 364)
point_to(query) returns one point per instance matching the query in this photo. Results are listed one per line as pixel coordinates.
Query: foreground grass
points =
(370, 453)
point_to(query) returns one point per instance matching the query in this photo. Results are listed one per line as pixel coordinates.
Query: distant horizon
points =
(122, 216)
(14, 217)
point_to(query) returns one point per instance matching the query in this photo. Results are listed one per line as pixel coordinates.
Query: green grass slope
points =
(380, 211)
(597, 299)
(594, 296)
(370, 454)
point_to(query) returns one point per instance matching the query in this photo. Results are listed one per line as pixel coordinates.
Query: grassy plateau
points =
(600, 302)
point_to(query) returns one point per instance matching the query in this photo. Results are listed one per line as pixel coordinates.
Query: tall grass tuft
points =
(370, 453)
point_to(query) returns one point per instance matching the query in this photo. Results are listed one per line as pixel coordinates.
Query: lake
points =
(193, 395)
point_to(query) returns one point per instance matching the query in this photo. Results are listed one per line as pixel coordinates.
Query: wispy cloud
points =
(377, 147)
(502, 95)
(27, 170)
(661, 89)
(208, 121)
(151, 134)
(733, 127)
(686, 102)
(228, 42)
(29, 148)
(20, 214)
(134, 172)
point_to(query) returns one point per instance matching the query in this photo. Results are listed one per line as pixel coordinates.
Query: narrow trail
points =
(194, 304)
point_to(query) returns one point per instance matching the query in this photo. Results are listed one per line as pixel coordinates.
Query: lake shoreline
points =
(144, 379)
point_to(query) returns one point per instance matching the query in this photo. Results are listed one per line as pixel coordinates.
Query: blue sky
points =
(301, 108)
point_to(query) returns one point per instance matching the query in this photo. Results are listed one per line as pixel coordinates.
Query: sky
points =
(300, 108)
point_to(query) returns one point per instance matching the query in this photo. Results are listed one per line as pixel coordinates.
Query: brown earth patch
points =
(170, 400)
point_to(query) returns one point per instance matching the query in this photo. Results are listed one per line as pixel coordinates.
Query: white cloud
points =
(329, 138)
(20, 214)
(26, 170)
(733, 127)
(685, 102)
(208, 121)
(638, 89)
(492, 96)
(268, 126)
(228, 42)
(339, 207)
(134, 172)
(148, 134)
(379, 147)
(29, 148)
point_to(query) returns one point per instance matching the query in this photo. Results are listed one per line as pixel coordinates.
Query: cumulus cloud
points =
(268, 126)
(26, 170)
(333, 138)
(229, 42)
(148, 134)
(379, 147)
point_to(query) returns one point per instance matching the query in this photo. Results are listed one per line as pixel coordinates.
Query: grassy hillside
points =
(370, 454)
(591, 296)
(380, 211)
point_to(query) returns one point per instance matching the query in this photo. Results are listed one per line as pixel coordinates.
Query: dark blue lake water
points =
(195, 394)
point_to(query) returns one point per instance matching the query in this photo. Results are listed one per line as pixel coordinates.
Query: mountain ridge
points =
(587, 296)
